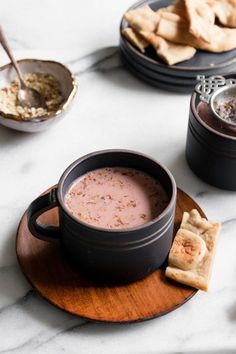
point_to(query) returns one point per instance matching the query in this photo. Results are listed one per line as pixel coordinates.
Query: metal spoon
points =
(27, 97)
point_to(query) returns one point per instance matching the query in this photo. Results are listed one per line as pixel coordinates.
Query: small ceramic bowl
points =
(60, 72)
(118, 255)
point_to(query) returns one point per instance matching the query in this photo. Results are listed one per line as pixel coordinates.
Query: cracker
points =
(192, 253)
(225, 11)
(170, 53)
(133, 37)
(142, 19)
(199, 15)
(175, 29)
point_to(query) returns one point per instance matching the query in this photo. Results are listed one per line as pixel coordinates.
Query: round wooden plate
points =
(47, 270)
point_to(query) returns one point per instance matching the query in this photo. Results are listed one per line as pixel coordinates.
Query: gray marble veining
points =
(112, 110)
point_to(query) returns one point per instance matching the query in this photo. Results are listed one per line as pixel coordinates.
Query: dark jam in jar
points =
(206, 115)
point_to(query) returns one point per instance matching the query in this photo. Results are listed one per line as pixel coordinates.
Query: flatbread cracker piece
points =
(170, 53)
(175, 29)
(225, 11)
(142, 19)
(177, 7)
(201, 8)
(199, 15)
(134, 38)
(192, 253)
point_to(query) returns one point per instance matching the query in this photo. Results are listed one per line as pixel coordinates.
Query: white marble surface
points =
(112, 110)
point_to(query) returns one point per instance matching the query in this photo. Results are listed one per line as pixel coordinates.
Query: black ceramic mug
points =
(119, 255)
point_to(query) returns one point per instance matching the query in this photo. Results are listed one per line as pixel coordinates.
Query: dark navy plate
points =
(157, 83)
(175, 80)
(202, 63)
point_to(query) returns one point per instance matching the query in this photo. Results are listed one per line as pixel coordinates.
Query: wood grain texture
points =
(47, 270)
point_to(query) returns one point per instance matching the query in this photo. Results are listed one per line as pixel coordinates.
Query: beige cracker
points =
(175, 29)
(191, 256)
(142, 19)
(225, 11)
(200, 15)
(133, 37)
(171, 53)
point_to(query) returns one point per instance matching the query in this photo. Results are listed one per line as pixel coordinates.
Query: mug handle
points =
(37, 207)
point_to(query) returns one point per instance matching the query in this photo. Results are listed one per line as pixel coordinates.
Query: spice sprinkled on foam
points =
(116, 198)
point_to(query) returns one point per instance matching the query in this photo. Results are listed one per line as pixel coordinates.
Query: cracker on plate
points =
(225, 11)
(142, 19)
(192, 253)
(200, 15)
(133, 37)
(170, 53)
(175, 29)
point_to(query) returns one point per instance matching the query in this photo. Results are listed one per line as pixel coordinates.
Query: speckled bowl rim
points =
(156, 62)
(52, 114)
(193, 108)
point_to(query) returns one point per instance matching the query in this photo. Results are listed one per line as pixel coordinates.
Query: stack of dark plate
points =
(180, 77)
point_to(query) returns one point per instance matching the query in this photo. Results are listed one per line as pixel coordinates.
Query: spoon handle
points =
(5, 45)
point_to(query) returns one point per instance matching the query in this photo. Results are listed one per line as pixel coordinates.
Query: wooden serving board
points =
(47, 270)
